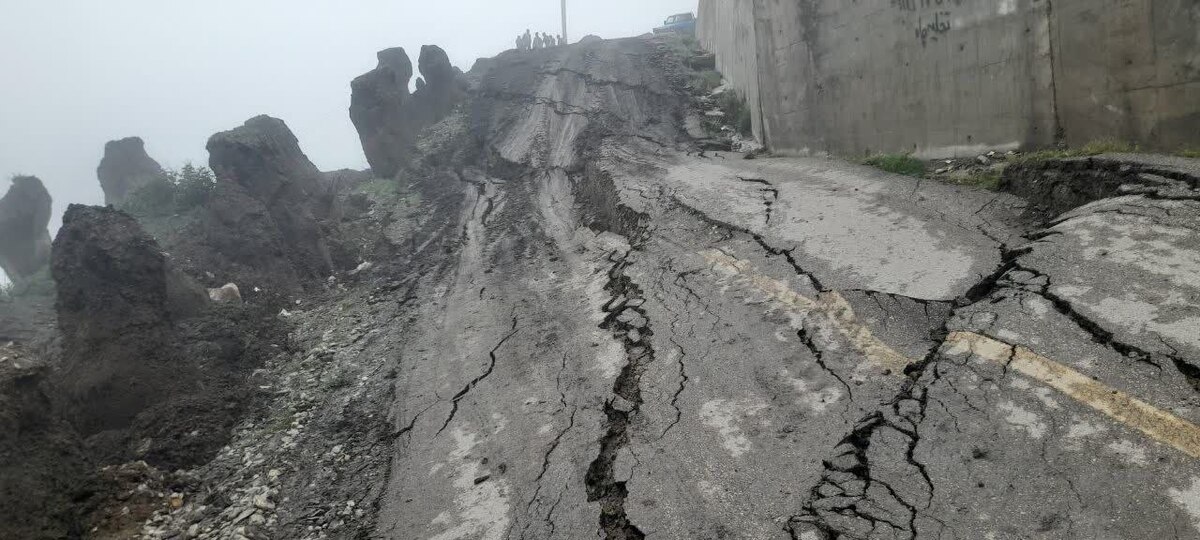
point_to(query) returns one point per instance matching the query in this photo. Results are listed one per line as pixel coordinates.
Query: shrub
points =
(174, 191)
(897, 163)
(193, 185)
(737, 113)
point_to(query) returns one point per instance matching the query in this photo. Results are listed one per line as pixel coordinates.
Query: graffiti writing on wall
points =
(928, 29)
(934, 18)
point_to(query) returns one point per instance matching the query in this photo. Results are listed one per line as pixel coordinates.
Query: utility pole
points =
(564, 22)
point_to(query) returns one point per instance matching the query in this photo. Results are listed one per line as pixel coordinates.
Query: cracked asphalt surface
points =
(626, 338)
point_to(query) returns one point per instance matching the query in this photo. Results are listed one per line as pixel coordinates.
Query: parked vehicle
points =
(681, 23)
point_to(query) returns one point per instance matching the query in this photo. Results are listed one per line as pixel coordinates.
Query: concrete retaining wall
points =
(1128, 69)
(958, 77)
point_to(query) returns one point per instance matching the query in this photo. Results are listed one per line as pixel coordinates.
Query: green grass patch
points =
(897, 163)
(1189, 153)
(280, 423)
(379, 188)
(1094, 148)
(989, 180)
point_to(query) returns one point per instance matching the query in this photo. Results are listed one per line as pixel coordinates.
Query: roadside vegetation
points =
(737, 112)
(897, 163)
(984, 179)
(1094, 148)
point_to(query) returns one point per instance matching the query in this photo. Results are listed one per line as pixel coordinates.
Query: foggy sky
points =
(76, 74)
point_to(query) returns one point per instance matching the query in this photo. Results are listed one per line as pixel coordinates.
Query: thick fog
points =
(77, 74)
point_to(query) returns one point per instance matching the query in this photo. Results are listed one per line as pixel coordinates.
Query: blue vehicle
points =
(682, 23)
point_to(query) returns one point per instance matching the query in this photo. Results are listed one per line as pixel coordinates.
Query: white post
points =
(564, 22)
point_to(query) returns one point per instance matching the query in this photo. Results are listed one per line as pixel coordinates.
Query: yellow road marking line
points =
(1156, 423)
(831, 304)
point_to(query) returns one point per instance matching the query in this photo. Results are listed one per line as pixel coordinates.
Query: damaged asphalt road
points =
(636, 341)
(612, 335)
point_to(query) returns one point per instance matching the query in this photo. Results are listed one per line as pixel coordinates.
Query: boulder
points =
(388, 118)
(24, 237)
(115, 312)
(262, 161)
(226, 294)
(124, 168)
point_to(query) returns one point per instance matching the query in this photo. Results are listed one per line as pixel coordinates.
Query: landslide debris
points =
(388, 118)
(148, 370)
(125, 168)
(145, 377)
(24, 238)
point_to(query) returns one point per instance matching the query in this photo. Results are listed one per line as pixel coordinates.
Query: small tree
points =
(193, 185)
(174, 191)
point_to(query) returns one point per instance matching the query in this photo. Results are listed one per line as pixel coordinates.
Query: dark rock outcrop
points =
(24, 238)
(269, 190)
(388, 117)
(124, 168)
(237, 240)
(444, 89)
(115, 317)
(379, 109)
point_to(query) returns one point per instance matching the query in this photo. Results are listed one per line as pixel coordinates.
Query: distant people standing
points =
(527, 41)
(537, 41)
(519, 42)
(561, 41)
